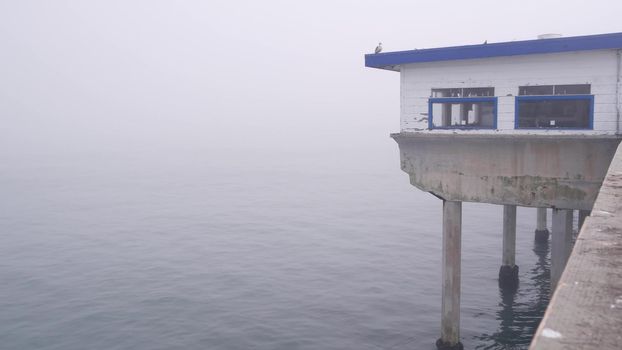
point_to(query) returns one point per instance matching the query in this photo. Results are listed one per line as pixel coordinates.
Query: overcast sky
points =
(131, 75)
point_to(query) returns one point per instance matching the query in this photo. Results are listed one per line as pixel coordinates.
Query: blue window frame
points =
(462, 113)
(554, 112)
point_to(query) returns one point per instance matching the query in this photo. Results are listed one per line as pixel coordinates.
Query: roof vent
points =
(549, 36)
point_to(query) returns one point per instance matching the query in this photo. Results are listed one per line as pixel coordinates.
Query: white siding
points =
(506, 74)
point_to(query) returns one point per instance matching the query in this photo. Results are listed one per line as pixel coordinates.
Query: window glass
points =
(583, 89)
(476, 92)
(464, 92)
(555, 106)
(575, 89)
(478, 114)
(536, 90)
(554, 113)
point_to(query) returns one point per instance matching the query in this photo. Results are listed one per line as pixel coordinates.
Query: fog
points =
(206, 174)
(90, 76)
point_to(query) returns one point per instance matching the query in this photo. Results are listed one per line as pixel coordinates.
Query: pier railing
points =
(585, 311)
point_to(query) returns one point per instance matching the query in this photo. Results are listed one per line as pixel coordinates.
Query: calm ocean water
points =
(248, 250)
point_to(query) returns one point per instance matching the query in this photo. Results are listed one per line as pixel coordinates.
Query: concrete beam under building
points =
(548, 171)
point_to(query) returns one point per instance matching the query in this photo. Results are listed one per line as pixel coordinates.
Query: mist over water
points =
(261, 249)
(218, 175)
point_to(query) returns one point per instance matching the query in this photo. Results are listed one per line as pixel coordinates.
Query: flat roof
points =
(389, 60)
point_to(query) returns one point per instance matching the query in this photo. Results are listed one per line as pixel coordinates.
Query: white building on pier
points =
(526, 123)
(557, 85)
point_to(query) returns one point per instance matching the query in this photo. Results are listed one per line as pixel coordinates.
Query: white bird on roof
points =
(378, 48)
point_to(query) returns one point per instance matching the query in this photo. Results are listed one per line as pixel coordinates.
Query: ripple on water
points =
(129, 254)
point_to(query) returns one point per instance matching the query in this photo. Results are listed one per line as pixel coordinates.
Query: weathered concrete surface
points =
(542, 232)
(509, 235)
(526, 170)
(452, 241)
(508, 273)
(561, 243)
(582, 215)
(541, 219)
(586, 309)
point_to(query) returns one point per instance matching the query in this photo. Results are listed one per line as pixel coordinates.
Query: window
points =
(463, 108)
(554, 107)
(463, 92)
(582, 89)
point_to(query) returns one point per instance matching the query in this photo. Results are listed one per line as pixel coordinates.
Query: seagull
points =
(378, 48)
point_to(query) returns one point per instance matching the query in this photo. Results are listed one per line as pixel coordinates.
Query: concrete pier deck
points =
(585, 311)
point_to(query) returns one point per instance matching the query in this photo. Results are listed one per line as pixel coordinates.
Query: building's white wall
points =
(506, 74)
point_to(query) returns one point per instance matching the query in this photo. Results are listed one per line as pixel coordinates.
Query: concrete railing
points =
(585, 311)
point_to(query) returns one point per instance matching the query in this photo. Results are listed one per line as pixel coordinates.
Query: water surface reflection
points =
(521, 310)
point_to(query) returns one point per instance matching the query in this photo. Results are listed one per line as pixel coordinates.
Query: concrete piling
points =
(542, 233)
(450, 318)
(561, 243)
(582, 215)
(508, 273)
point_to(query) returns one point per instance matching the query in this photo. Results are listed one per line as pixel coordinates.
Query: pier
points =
(560, 172)
(586, 309)
(532, 123)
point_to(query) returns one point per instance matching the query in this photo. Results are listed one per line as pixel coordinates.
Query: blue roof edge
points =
(510, 48)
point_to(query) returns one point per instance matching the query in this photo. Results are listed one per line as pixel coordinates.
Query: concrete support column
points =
(561, 243)
(508, 273)
(450, 318)
(542, 233)
(582, 215)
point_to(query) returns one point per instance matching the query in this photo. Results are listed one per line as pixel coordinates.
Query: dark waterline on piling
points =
(262, 251)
